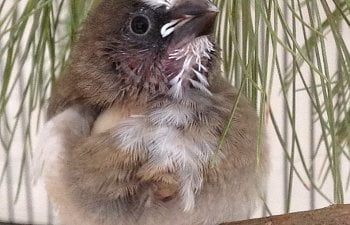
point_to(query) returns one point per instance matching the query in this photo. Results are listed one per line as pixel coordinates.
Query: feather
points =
(192, 55)
(159, 3)
(53, 138)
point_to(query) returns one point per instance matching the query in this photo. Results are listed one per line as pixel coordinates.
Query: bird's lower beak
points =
(189, 20)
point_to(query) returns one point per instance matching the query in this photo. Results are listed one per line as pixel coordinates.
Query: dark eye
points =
(140, 25)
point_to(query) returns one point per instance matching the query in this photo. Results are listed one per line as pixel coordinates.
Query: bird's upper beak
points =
(190, 19)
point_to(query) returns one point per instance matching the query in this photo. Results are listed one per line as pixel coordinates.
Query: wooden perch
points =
(333, 215)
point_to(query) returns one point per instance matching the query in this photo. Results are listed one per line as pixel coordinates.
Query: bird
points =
(135, 121)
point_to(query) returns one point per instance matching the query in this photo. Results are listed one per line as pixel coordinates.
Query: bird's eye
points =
(140, 25)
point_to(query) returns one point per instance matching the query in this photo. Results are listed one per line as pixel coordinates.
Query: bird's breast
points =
(173, 138)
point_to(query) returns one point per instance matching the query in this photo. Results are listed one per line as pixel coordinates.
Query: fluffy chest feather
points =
(171, 147)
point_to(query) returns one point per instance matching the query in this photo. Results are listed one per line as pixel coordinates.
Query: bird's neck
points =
(189, 67)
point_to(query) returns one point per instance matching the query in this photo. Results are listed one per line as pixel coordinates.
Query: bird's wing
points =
(58, 134)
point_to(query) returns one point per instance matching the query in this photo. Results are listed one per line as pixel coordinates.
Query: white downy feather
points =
(192, 54)
(51, 141)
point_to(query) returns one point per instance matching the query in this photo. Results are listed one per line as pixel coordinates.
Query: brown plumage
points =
(135, 121)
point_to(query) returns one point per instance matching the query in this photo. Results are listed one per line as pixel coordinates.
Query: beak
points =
(190, 19)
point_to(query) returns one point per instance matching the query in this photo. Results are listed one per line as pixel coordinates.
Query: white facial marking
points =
(173, 25)
(169, 28)
(159, 3)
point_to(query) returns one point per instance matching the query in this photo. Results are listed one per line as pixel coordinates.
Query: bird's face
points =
(134, 49)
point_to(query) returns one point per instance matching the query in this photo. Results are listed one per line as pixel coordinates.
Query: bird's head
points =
(132, 49)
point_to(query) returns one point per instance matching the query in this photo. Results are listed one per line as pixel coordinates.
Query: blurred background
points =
(290, 57)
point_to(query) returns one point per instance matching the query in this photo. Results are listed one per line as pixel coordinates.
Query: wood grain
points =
(333, 215)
